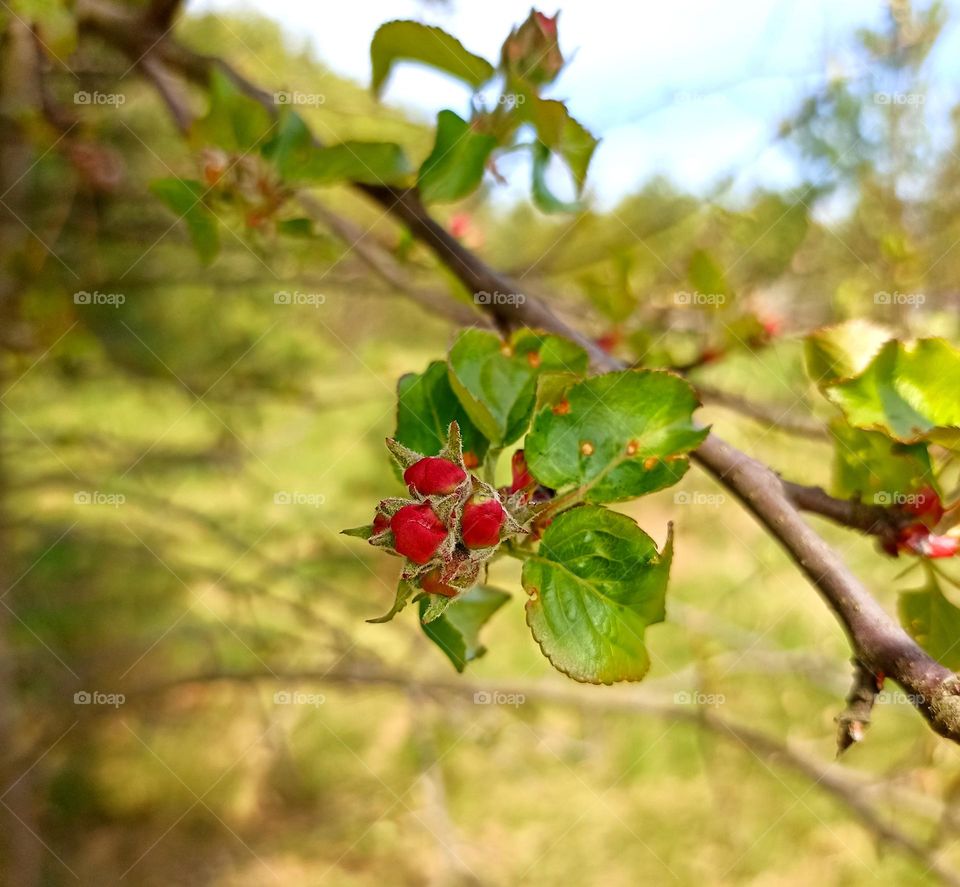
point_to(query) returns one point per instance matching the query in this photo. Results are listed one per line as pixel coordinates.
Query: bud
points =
(434, 476)
(920, 541)
(521, 474)
(431, 583)
(926, 504)
(481, 523)
(417, 532)
(380, 523)
(532, 51)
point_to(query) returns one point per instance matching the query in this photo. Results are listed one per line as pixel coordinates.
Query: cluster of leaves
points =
(895, 441)
(252, 162)
(594, 579)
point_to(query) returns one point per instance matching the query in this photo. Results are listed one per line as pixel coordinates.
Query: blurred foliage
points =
(178, 459)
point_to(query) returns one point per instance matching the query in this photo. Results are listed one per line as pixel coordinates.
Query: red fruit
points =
(481, 523)
(434, 476)
(417, 532)
(431, 584)
(521, 474)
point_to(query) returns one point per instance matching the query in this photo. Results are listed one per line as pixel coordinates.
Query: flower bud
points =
(532, 51)
(434, 476)
(521, 474)
(417, 532)
(432, 584)
(481, 523)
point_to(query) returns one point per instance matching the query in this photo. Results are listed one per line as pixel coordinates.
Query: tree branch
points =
(855, 718)
(877, 640)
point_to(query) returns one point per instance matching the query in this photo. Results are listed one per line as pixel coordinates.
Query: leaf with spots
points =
(496, 381)
(616, 436)
(595, 585)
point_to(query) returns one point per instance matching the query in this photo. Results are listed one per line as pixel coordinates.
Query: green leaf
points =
(426, 405)
(496, 382)
(415, 42)
(842, 351)
(455, 166)
(908, 391)
(185, 198)
(621, 435)
(457, 631)
(706, 275)
(404, 591)
(299, 227)
(234, 121)
(870, 465)
(595, 585)
(932, 621)
(543, 198)
(562, 134)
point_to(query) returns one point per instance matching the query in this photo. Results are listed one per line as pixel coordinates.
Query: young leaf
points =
(426, 405)
(372, 163)
(496, 383)
(617, 436)
(415, 42)
(457, 631)
(543, 198)
(933, 622)
(404, 590)
(185, 198)
(455, 166)
(595, 585)
(842, 351)
(874, 467)
(234, 121)
(908, 391)
(562, 134)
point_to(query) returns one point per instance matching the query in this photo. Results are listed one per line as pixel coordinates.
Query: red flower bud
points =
(926, 504)
(531, 51)
(434, 475)
(481, 523)
(919, 540)
(380, 523)
(417, 532)
(431, 584)
(521, 474)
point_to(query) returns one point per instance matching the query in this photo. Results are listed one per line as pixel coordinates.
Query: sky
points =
(693, 89)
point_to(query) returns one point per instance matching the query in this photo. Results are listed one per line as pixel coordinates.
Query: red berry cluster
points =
(923, 512)
(451, 524)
